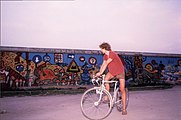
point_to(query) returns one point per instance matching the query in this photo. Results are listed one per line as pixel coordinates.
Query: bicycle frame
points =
(102, 87)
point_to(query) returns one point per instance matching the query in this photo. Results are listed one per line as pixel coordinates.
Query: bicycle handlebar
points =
(97, 79)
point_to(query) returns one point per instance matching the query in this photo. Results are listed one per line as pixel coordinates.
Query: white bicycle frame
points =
(102, 88)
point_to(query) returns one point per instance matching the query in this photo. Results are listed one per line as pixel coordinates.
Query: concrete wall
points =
(26, 67)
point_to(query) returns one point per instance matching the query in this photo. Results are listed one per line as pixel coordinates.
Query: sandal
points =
(124, 112)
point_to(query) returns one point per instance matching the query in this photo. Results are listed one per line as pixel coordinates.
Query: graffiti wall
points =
(146, 70)
(27, 68)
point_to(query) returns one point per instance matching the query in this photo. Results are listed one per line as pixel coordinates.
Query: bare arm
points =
(103, 66)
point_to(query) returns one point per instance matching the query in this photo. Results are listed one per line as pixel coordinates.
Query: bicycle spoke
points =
(92, 106)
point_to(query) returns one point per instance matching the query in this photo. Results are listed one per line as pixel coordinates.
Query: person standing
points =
(115, 69)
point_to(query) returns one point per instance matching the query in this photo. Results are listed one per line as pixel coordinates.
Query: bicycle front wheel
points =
(92, 105)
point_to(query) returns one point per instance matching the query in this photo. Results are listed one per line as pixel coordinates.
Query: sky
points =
(127, 25)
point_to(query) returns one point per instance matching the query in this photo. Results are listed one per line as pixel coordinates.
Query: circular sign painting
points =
(149, 66)
(92, 60)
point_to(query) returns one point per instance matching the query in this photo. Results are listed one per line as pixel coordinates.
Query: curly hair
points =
(105, 46)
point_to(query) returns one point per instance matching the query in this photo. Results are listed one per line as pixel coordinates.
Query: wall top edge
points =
(81, 51)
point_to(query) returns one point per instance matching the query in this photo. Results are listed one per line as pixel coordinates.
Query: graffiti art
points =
(20, 68)
(92, 60)
(149, 66)
(73, 67)
(58, 57)
(82, 58)
(37, 59)
(46, 58)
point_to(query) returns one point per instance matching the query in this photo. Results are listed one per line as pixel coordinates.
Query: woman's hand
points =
(98, 74)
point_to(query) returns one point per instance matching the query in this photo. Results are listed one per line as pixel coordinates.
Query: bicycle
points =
(92, 101)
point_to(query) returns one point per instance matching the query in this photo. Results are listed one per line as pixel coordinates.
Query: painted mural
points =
(28, 69)
(151, 70)
(19, 69)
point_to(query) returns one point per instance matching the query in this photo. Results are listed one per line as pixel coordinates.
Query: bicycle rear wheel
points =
(119, 99)
(92, 105)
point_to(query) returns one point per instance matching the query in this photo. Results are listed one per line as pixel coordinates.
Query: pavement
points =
(162, 104)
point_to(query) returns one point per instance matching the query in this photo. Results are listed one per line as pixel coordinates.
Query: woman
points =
(116, 68)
